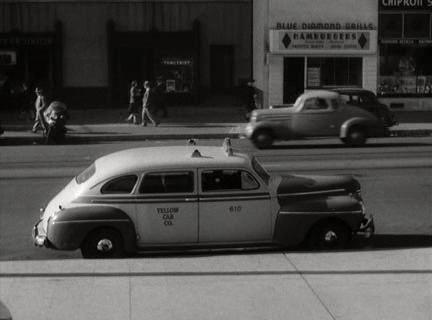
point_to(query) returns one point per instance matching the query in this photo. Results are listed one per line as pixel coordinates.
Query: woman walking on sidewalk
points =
(133, 109)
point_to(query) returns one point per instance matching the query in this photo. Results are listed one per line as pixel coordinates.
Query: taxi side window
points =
(167, 182)
(124, 184)
(219, 180)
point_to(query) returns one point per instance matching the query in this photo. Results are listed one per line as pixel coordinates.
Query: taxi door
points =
(167, 208)
(233, 207)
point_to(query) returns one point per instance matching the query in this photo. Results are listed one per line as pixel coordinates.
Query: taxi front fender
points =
(69, 228)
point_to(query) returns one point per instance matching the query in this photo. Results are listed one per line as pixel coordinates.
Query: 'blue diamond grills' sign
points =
(286, 40)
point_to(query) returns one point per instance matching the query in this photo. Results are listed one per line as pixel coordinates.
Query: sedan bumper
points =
(367, 228)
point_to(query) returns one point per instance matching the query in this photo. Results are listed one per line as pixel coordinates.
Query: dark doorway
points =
(222, 67)
(131, 64)
(293, 79)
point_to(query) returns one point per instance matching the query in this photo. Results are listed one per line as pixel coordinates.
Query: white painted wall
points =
(267, 13)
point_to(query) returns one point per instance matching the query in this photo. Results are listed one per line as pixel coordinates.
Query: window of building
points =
(390, 25)
(176, 73)
(336, 72)
(416, 26)
(167, 182)
(124, 184)
(405, 70)
(222, 180)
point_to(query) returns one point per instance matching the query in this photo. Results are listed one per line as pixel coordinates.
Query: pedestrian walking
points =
(40, 106)
(133, 110)
(149, 105)
(249, 98)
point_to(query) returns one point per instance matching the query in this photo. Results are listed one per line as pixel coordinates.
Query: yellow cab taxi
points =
(197, 196)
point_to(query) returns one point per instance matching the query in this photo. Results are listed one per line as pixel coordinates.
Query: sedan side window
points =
(222, 180)
(315, 104)
(124, 184)
(167, 182)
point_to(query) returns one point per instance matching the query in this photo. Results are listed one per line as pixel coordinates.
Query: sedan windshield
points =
(260, 170)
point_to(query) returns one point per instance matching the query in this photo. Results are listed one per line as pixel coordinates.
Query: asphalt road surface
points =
(395, 174)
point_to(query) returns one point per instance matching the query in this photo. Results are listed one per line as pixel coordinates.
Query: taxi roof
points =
(171, 157)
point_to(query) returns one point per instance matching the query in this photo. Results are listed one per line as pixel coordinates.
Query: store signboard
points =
(176, 62)
(8, 58)
(404, 5)
(323, 41)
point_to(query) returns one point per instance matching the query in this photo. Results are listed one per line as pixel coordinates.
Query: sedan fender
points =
(68, 229)
(357, 121)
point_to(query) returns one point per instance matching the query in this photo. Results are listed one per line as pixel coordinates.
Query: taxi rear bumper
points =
(39, 236)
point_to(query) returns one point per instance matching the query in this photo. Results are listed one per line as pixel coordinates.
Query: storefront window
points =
(177, 74)
(334, 72)
(405, 70)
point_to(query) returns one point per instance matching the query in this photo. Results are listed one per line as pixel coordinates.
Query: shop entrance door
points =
(293, 79)
(131, 64)
(222, 67)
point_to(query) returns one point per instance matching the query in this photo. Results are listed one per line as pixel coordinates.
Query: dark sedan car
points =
(367, 100)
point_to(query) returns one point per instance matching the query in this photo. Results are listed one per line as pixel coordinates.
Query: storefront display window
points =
(334, 72)
(405, 67)
(405, 70)
(177, 74)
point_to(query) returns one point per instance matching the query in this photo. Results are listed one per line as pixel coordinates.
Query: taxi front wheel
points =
(102, 243)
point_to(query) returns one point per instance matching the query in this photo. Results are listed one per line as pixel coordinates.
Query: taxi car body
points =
(317, 113)
(192, 196)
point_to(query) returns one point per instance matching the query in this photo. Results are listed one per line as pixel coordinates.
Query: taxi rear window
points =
(86, 174)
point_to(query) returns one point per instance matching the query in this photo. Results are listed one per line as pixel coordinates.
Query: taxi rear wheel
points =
(103, 243)
(329, 235)
(262, 139)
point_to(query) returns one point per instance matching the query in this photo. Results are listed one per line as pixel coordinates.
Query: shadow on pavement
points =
(342, 146)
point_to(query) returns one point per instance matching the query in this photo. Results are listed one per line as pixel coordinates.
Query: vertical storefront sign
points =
(313, 77)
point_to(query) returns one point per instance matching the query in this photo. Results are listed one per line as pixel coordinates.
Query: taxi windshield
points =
(260, 170)
(86, 174)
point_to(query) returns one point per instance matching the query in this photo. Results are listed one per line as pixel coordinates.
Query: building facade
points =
(301, 45)
(313, 44)
(88, 51)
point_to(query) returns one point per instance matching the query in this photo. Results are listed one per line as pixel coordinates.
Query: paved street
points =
(388, 169)
(390, 279)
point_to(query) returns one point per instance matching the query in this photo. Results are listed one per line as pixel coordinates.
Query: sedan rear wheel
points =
(262, 139)
(328, 236)
(103, 243)
(356, 137)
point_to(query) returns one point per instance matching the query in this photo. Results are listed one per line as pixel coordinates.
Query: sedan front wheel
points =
(262, 139)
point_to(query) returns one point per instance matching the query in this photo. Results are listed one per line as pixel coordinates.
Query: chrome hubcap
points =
(104, 245)
(330, 236)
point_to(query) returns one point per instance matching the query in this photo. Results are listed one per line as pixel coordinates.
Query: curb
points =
(72, 138)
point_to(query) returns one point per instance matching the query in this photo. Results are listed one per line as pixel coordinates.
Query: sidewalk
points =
(363, 285)
(211, 122)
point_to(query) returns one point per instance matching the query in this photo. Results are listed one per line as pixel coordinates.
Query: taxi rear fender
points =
(358, 122)
(71, 226)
